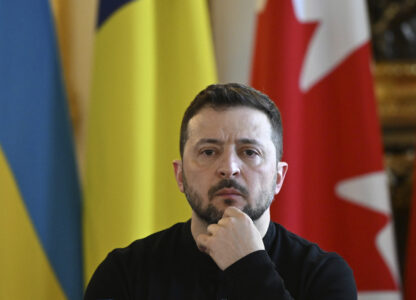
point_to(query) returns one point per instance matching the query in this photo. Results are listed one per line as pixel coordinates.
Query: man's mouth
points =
(228, 187)
(228, 192)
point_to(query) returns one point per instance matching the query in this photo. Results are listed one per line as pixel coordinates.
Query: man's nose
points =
(229, 165)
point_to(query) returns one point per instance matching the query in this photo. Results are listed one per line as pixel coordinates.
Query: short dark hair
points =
(223, 96)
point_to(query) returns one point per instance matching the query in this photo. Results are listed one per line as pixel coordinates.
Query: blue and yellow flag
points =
(40, 222)
(151, 59)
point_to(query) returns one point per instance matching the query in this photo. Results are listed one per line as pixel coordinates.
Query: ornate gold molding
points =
(395, 87)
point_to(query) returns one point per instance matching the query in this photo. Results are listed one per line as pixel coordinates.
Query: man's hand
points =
(234, 237)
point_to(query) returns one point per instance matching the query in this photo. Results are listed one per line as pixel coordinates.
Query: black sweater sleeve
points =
(255, 277)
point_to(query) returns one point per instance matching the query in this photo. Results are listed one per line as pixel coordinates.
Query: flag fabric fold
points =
(410, 268)
(41, 253)
(313, 59)
(151, 58)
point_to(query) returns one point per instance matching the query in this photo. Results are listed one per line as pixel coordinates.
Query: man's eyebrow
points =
(218, 142)
(248, 141)
(208, 141)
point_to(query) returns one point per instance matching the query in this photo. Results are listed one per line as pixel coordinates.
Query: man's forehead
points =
(241, 122)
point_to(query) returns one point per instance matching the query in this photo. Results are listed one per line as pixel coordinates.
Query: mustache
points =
(227, 183)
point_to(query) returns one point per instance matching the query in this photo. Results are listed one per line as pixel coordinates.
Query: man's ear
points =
(281, 173)
(177, 168)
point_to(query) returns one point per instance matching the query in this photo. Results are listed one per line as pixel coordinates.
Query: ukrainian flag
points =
(151, 59)
(40, 223)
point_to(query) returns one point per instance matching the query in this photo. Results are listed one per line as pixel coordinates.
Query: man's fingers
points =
(224, 221)
(212, 229)
(202, 242)
(232, 211)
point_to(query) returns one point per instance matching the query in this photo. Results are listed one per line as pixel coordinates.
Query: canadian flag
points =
(313, 59)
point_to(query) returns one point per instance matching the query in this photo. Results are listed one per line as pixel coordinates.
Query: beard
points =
(211, 215)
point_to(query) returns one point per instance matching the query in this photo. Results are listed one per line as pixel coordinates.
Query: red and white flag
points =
(410, 276)
(313, 59)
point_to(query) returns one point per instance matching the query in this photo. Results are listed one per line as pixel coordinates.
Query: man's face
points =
(229, 159)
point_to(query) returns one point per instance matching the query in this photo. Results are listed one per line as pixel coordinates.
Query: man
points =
(231, 146)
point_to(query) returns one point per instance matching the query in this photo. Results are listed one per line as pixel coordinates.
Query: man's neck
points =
(198, 226)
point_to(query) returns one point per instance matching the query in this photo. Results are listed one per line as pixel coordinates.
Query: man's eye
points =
(208, 152)
(250, 152)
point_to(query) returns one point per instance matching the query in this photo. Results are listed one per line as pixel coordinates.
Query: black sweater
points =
(168, 265)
